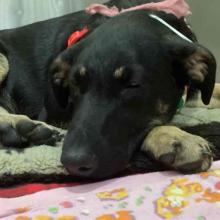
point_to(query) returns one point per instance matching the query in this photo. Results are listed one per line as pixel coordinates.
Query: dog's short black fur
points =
(121, 80)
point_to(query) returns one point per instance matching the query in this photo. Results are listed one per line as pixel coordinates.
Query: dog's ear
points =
(194, 66)
(59, 75)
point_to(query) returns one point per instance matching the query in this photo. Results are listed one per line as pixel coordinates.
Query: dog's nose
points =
(82, 164)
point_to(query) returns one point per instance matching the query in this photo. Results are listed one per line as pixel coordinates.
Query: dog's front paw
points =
(178, 149)
(4, 67)
(18, 130)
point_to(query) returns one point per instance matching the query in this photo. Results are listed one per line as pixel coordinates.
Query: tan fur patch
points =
(186, 148)
(13, 119)
(119, 73)
(4, 67)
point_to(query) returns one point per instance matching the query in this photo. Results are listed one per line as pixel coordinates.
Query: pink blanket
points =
(164, 195)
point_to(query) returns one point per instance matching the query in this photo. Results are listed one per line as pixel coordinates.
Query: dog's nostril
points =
(80, 164)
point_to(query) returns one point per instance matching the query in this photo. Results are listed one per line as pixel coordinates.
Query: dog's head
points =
(123, 79)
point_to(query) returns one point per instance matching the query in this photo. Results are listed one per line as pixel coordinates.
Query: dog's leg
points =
(19, 130)
(4, 67)
(178, 149)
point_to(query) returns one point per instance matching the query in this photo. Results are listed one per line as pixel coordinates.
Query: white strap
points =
(170, 27)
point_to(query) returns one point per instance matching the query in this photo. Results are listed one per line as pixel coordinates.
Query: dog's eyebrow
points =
(82, 71)
(119, 73)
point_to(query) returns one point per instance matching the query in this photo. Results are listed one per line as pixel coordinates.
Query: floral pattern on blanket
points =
(155, 196)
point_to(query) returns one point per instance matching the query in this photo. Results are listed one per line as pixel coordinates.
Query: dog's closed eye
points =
(133, 85)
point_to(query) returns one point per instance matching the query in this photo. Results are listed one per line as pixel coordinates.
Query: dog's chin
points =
(134, 165)
(100, 175)
(128, 167)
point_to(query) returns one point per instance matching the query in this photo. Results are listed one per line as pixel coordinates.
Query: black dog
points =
(113, 87)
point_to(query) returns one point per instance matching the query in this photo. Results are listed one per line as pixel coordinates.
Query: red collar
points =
(77, 36)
